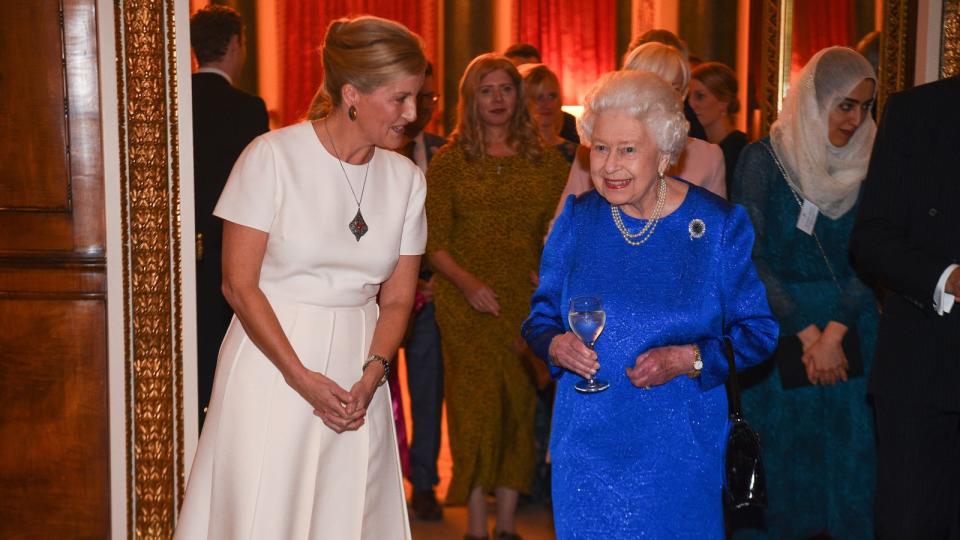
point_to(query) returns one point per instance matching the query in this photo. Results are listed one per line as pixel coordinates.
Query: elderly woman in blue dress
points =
(671, 263)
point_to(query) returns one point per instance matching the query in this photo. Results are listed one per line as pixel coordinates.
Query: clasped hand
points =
(339, 409)
(660, 365)
(823, 355)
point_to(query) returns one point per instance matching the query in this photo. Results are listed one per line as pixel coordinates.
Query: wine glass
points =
(586, 318)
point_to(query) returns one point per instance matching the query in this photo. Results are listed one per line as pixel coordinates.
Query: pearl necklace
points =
(647, 231)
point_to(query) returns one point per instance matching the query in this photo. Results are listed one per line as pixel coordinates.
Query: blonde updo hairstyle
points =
(721, 81)
(645, 97)
(366, 52)
(662, 60)
(522, 135)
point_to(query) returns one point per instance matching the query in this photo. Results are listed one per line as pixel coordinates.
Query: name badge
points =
(808, 217)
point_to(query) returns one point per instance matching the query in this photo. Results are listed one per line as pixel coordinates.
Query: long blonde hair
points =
(366, 52)
(522, 136)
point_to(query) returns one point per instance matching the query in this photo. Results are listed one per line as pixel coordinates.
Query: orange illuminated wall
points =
(577, 39)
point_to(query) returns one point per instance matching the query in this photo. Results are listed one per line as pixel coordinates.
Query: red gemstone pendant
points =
(358, 226)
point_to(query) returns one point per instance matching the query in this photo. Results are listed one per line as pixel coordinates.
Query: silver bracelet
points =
(383, 362)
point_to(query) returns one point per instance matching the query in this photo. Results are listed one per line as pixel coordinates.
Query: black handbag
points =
(744, 481)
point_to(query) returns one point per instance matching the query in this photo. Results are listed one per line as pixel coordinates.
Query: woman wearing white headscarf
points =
(801, 186)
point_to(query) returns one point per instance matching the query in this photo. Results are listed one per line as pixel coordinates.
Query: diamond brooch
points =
(697, 228)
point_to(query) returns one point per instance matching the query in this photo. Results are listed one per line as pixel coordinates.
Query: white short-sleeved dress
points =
(266, 467)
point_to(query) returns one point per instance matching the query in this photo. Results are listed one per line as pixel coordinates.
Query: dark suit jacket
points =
(225, 120)
(907, 233)
(433, 143)
(569, 129)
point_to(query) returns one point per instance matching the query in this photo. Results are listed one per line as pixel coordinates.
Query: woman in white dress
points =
(323, 232)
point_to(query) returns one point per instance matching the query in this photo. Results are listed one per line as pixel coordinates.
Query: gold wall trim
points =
(897, 47)
(950, 39)
(152, 274)
(770, 65)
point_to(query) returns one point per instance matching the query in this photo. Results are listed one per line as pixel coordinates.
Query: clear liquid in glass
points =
(587, 319)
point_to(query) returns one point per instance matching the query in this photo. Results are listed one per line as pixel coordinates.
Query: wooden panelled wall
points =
(54, 458)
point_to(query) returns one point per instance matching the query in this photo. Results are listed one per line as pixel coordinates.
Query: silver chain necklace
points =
(647, 231)
(357, 225)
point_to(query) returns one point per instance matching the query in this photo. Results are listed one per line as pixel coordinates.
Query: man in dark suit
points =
(907, 239)
(422, 347)
(225, 120)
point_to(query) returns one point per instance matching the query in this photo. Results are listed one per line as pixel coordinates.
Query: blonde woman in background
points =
(492, 190)
(323, 232)
(713, 97)
(544, 100)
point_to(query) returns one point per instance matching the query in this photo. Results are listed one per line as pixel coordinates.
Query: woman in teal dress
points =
(818, 440)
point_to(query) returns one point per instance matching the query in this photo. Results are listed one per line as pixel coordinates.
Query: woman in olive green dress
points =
(491, 192)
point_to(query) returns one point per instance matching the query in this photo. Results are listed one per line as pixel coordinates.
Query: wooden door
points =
(54, 458)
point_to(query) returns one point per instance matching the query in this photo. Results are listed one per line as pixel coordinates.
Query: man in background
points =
(225, 120)
(422, 347)
(524, 53)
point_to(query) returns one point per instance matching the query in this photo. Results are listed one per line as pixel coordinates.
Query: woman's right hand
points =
(826, 360)
(329, 401)
(481, 297)
(568, 352)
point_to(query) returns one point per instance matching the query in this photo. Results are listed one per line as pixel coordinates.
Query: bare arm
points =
(396, 303)
(481, 297)
(243, 251)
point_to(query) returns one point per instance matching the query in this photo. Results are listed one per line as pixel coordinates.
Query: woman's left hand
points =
(660, 365)
(362, 393)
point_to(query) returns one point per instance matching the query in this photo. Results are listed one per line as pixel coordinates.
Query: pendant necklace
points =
(357, 226)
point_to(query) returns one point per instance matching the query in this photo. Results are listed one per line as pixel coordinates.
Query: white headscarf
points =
(826, 175)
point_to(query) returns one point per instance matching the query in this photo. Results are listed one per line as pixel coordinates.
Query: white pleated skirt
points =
(267, 468)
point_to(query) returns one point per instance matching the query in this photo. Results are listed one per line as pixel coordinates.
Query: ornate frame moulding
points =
(152, 275)
(897, 44)
(950, 39)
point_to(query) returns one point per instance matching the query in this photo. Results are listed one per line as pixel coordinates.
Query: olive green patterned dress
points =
(491, 215)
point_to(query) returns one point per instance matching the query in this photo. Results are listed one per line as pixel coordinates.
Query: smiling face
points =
(846, 116)
(624, 161)
(383, 112)
(705, 104)
(496, 98)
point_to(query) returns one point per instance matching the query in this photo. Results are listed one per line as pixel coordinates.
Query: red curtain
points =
(818, 24)
(302, 24)
(576, 38)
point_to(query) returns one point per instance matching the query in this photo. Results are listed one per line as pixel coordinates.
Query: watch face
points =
(698, 365)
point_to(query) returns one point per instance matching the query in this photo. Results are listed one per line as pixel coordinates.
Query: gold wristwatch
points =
(383, 362)
(697, 363)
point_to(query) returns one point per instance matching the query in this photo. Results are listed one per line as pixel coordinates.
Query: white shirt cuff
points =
(942, 300)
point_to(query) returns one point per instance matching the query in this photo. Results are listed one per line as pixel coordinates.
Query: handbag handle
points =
(733, 384)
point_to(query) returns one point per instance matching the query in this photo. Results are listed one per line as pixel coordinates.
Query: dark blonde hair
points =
(366, 52)
(534, 77)
(721, 81)
(523, 136)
